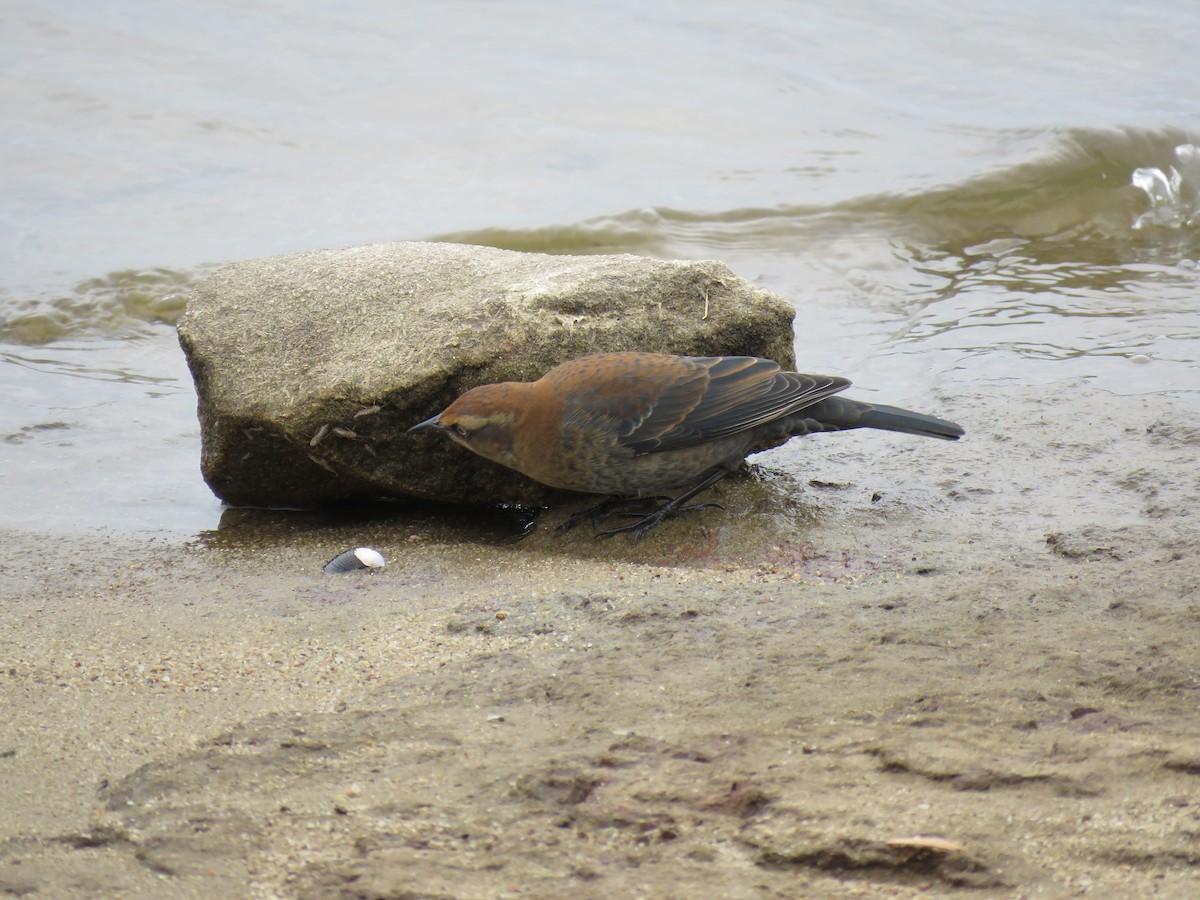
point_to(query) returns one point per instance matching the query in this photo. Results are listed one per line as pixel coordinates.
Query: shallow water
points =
(947, 195)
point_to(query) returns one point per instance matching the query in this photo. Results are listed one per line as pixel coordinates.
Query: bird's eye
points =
(460, 430)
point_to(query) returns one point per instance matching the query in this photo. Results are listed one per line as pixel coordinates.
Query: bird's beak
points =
(433, 424)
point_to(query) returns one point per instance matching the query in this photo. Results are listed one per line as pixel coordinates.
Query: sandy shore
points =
(896, 668)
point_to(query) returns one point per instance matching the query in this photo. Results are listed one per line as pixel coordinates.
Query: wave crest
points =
(1077, 187)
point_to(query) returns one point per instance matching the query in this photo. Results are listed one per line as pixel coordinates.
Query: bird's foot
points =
(657, 517)
(606, 509)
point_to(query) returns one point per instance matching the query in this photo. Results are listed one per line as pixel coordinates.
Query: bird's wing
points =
(717, 396)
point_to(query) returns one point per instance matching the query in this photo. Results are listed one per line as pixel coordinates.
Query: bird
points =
(635, 426)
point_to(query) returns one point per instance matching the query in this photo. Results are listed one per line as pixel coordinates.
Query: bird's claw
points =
(645, 523)
(606, 509)
(674, 511)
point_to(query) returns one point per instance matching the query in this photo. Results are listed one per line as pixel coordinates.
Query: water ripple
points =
(112, 305)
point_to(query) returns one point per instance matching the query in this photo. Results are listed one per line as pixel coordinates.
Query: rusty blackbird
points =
(633, 425)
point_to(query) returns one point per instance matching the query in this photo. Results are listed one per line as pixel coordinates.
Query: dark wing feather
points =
(734, 394)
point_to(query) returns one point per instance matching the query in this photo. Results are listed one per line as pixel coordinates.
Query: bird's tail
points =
(839, 414)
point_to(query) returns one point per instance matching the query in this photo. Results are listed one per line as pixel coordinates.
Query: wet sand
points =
(900, 668)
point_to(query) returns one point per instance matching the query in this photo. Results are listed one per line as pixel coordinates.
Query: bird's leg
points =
(672, 507)
(605, 509)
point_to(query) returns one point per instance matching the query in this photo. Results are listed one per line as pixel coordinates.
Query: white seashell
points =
(358, 558)
(923, 842)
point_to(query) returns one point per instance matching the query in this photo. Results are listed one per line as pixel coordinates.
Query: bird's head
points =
(481, 420)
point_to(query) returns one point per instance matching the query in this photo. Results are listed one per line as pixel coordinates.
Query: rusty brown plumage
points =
(638, 424)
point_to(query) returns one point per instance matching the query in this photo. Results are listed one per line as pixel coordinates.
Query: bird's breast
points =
(591, 459)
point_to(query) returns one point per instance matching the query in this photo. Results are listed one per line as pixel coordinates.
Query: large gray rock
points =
(311, 367)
